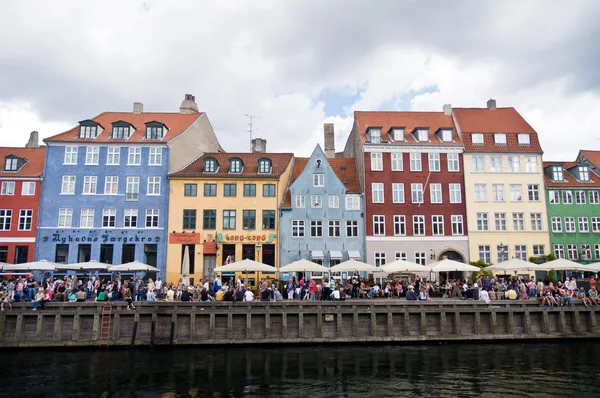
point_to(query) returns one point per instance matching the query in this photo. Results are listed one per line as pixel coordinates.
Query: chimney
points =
(259, 145)
(491, 104)
(447, 109)
(34, 140)
(188, 105)
(138, 107)
(329, 136)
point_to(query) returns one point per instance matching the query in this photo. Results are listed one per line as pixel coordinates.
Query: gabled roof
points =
(593, 156)
(34, 167)
(387, 120)
(279, 162)
(177, 123)
(569, 179)
(344, 168)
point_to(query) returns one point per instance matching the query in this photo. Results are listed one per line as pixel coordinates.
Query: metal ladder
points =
(105, 324)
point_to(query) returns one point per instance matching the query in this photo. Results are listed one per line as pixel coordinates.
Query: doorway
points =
(128, 254)
(228, 251)
(84, 253)
(62, 254)
(248, 252)
(106, 254)
(151, 253)
(210, 261)
(21, 254)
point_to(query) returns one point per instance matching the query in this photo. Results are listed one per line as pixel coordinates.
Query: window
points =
(297, 228)
(514, 165)
(418, 225)
(596, 224)
(556, 224)
(523, 139)
(152, 218)
(316, 202)
(500, 139)
(397, 163)
(154, 131)
(434, 162)
(502, 252)
(580, 197)
(230, 190)
(478, 163)
(268, 219)
(455, 194)
(352, 229)
(334, 202)
(68, 185)
(536, 221)
(249, 189)
(567, 197)
(132, 191)
(190, 190)
(235, 166)
(374, 135)
(435, 193)
(134, 156)
(531, 165)
(318, 180)
(521, 252)
(189, 219)
(518, 221)
(597, 251)
(111, 185)
(120, 132)
(572, 252)
(113, 156)
(554, 197)
(8, 187)
(594, 198)
(416, 193)
(399, 255)
(352, 202)
(447, 135)
(399, 225)
(538, 250)
(559, 251)
(533, 192)
(437, 224)
(70, 155)
(398, 193)
(88, 131)
(422, 135)
(300, 201)
(209, 219)
(498, 192)
(500, 221)
(264, 166)
(154, 186)
(420, 258)
(316, 228)
(557, 173)
(249, 219)
(570, 224)
(6, 217)
(89, 185)
(86, 219)
(229, 219)
(584, 173)
(334, 229)
(109, 218)
(377, 192)
(130, 219)
(379, 225)
(477, 138)
(415, 161)
(210, 165)
(453, 163)
(485, 254)
(376, 162)
(583, 224)
(269, 190)
(586, 252)
(398, 134)
(11, 164)
(25, 219)
(516, 192)
(457, 225)
(155, 157)
(482, 222)
(480, 193)
(379, 259)
(496, 164)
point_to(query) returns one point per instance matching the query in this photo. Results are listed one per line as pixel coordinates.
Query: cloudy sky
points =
(298, 64)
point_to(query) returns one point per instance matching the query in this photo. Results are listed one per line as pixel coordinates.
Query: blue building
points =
(322, 213)
(107, 191)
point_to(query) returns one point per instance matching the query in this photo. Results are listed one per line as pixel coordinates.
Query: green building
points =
(573, 202)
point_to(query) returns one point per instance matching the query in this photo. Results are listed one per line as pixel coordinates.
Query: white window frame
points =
(90, 185)
(455, 193)
(514, 167)
(378, 225)
(539, 250)
(516, 192)
(352, 226)
(151, 214)
(557, 173)
(398, 134)
(400, 255)
(533, 193)
(418, 220)
(518, 222)
(524, 139)
(25, 217)
(318, 180)
(28, 188)
(500, 222)
(353, 203)
(318, 227)
(457, 225)
(477, 138)
(521, 252)
(583, 223)
(86, 218)
(111, 214)
(153, 188)
(374, 135)
(92, 155)
(333, 201)
(65, 218)
(498, 193)
(482, 222)
(572, 252)
(537, 222)
(379, 258)
(485, 253)
(132, 188)
(567, 197)
(300, 201)
(434, 162)
(594, 197)
(68, 185)
(595, 224)
(559, 250)
(478, 192)
(397, 161)
(316, 201)
(376, 161)
(416, 161)
(134, 156)
(500, 139)
(298, 228)
(435, 193)
(377, 192)
(584, 173)
(437, 225)
(335, 226)
(570, 226)
(70, 155)
(422, 135)
(114, 182)
(495, 164)
(453, 162)
(531, 164)
(421, 258)
(478, 164)
(113, 156)
(130, 213)
(580, 197)
(155, 156)
(554, 197)
(399, 225)
(397, 192)
(416, 192)
(556, 224)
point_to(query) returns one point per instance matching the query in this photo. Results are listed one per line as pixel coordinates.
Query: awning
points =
(354, 254)
(317, 254)
(335, 254)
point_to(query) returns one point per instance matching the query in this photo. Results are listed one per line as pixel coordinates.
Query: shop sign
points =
(252, 238)
(104, 238)
(184, 238)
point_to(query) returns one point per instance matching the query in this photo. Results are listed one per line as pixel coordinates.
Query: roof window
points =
(500, 139)
(398, 134)
(374, 135)
(477, 138)
(584, 173)
(264, 166)
(523, 139)
(88, 129)
(446, 135)
(210, 165)
(235, 166)
(422, 135)
(557, 173)
(155, 131)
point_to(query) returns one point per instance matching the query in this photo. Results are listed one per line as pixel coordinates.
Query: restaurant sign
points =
(184, 238)
(252, 238)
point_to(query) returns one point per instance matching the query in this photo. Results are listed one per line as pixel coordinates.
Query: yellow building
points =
(504, 185)
(225, 207)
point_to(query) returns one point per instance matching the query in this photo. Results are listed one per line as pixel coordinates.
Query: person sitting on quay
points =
(410, 294)
(581, 295)
(81, 295)
(4, 298)
(593, 295)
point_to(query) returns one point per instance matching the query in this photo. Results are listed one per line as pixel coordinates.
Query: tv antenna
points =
(251, 129)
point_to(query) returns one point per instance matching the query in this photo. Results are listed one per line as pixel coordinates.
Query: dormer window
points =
(210, 166)
(557, 173)
(264, 166)
(121, 130)
(398, 134)
(88, 129)
(500, 139)
(11, 164)
(446, 135)
(155, 131)
(523, 139)
(374, 135)
(584, 173)
(235, 166)
(477, 138)
(422, 135)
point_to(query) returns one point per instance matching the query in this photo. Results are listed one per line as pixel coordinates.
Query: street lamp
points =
(258, 246)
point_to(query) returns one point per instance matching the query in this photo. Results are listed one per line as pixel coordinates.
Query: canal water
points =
(566, 369)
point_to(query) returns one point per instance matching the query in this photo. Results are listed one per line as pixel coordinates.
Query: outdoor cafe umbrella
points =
(303, 266)
(246, 265)
(134, 266)
(514, 264)
(42, 265)
(451, 265)
(91, 265)
(354, 266)
(2, 265)
(562, 264)
(185, 267)
(595, 265)
(403, 266)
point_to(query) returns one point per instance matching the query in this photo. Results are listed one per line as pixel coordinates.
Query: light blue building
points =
(107, 191)
(322, 212)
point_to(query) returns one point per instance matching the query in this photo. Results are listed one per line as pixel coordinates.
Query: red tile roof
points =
(433, 121)
(570, 180)
(279, 162)
(176, 124)
(34, 167)
(344, 168)
(593, 156)
(488, 122)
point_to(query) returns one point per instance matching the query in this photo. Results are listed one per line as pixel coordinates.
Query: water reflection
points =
(325, 371)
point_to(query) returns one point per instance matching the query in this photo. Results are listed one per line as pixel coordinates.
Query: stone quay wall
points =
(223, 323)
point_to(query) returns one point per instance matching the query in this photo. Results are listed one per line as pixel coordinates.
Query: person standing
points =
(30, 288)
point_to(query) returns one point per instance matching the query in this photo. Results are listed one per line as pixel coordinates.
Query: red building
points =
(412, 176)
(20, 180)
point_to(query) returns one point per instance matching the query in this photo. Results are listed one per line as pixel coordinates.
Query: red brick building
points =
(20, 187)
